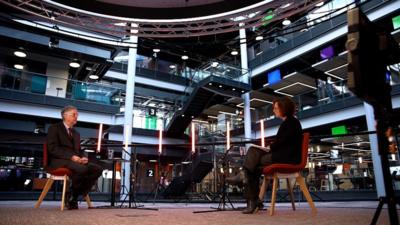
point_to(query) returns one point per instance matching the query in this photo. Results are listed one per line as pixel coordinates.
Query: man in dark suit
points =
(286, 148)
(64, 149)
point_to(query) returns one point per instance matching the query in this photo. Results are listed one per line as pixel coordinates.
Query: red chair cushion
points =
(59, 171)
(282, 168)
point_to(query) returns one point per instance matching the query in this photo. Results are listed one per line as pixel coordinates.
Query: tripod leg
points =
(378, 211)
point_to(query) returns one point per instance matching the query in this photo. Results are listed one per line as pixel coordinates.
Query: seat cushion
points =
(59, 171)
(282, 168)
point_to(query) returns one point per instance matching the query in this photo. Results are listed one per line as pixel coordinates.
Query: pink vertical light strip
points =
(262, 133)
(160, 137)
(193, 139)
(228, 135)
(99, 137)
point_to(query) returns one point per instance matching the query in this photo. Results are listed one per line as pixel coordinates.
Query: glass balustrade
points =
(48, 85)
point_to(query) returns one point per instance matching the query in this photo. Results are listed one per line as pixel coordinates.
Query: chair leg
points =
(263, 188)
(63, 192)
(46, 189)
(273, 197)
(290, 189)
(89, 203)
(303, 187)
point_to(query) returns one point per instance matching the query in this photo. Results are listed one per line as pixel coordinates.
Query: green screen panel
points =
(339, 130)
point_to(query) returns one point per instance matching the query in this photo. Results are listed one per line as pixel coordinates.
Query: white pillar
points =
(246, 96)
(128, 114)
(376, 160)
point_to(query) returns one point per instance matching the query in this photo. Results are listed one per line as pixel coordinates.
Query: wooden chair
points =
(287, 171)
(56, 174)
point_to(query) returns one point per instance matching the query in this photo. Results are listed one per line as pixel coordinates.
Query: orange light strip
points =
(262, 133)
(193, 139)
(160, 137)
(228, 135)
(99, 137)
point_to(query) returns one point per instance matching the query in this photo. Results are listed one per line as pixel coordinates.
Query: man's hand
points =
(84, 160)
(76, 159)
(79, 160)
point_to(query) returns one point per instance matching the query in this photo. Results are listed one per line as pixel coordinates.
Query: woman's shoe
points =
(252, 207)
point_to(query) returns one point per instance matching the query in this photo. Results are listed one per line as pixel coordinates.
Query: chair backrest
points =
(304, 149)
(45, 156)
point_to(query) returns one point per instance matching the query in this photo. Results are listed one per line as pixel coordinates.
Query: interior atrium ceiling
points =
(204, 30)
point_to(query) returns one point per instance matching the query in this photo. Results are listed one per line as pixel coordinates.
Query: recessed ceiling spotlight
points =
(210, 83)
(242, 91)
(185, 57)
(18, 66)
(259, 38)
(156, 50)
(320, 4)
(20, 54)
(214, 64)
(220, 86)
(172, 66)
(234, 52)
(233, 89)
(94, 77)
(286, 22)
(74, 64)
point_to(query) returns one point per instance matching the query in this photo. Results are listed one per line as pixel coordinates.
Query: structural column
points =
(245, 79)
(128, 114)
(376, 160)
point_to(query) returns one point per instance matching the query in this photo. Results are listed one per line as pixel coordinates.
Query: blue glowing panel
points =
(327, 52)
(274, 76)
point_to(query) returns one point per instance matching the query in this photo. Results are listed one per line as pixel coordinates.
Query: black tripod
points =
(384, 121)
(224, 197)
(132, 203)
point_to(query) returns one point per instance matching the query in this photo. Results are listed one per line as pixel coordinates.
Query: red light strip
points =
(99, 137)
(228, 136)
(193, 139)
(262, 133)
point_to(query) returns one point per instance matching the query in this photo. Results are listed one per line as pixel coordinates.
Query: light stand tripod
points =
(132, 204)
(224, 199)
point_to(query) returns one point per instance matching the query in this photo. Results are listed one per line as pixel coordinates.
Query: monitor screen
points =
(396, 22)
(274, 76)
(327, 52)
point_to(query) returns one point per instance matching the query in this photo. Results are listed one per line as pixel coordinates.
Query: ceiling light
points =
(320, 4)
(286, 5)
(120, 24)
(172, 66)
(242, 91)
(259, 38)
(20, 54)
(18, 66)
(214, 64)
(74, 64)
(94, 77)
(220, 86)
(185, 57)
(286, 22)
(156, 50)
(210, 83)
(233, 89)
(234, 52)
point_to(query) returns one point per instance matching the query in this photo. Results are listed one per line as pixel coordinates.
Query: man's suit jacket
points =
(61, 147)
